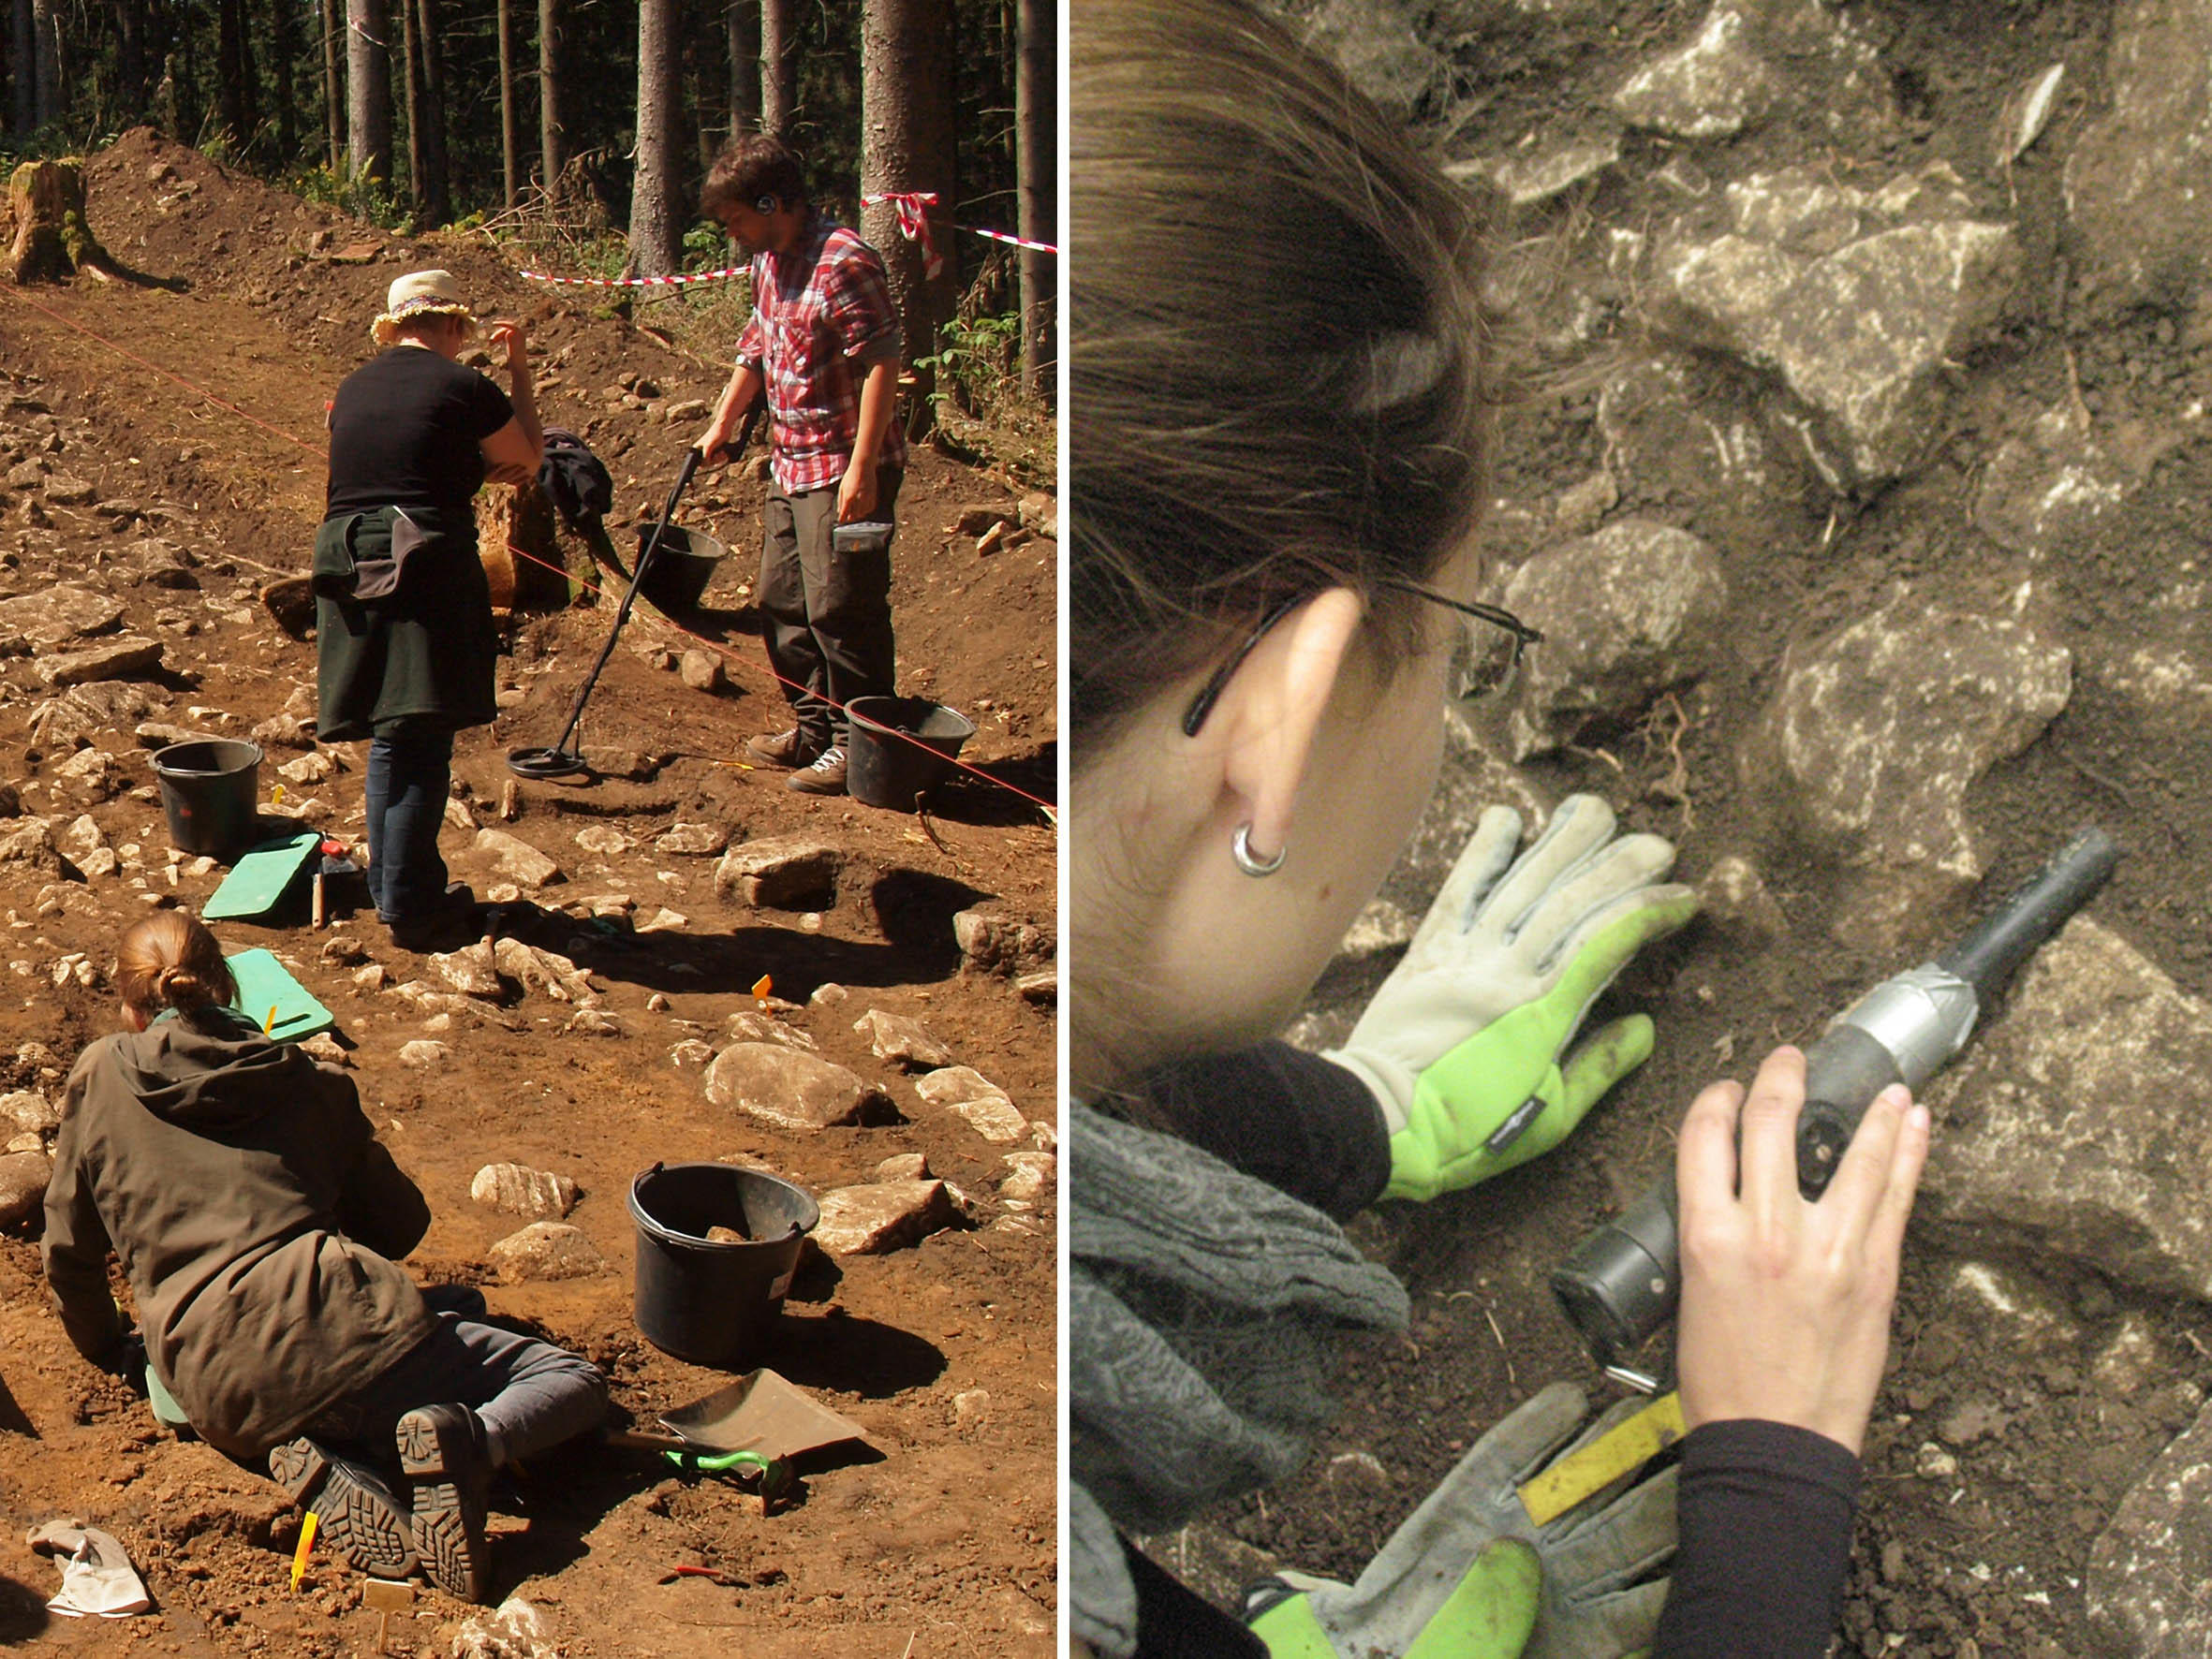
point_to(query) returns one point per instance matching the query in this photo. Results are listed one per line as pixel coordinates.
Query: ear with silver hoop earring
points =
(1240, 848)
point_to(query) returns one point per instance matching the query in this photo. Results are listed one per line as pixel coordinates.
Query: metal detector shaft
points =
(1619, 1286)
(630, 598)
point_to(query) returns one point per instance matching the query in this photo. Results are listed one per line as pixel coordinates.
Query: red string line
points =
(1052, 814)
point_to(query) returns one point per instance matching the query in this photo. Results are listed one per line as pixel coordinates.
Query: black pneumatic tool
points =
(1619, 1286)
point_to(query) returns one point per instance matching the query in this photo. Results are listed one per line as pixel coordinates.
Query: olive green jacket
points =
(424, 651)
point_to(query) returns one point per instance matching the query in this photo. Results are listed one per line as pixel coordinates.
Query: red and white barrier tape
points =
(679, 280)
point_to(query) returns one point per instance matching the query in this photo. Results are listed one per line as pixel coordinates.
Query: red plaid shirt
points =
(822, 315)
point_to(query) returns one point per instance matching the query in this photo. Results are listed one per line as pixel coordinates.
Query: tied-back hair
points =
(1279, 348)
(171, 961)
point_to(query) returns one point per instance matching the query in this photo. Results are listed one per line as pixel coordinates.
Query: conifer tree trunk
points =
(438, 196)
(778, 71)
(1035, 176)
(368, 88)
(743, 19)
(283, 47)
(333, 91)
(549, 96)
(510, 131)
(23, 56)
(908, 144)
(656, 237)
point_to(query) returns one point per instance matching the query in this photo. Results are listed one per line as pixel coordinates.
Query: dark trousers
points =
(531, 1395)
(828, 614)
(410, 770)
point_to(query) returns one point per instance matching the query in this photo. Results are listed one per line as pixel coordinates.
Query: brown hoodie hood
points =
(255, 1213)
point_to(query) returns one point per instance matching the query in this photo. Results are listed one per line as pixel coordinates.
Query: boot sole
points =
(363, 1526)
(449, 1530)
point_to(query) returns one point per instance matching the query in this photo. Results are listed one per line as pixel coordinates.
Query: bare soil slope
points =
(193, 405)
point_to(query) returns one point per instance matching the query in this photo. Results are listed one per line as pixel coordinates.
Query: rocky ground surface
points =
(1863, 518)
(685, 962)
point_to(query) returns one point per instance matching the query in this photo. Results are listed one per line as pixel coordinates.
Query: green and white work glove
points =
(1469, 1575)
(1465, 1045)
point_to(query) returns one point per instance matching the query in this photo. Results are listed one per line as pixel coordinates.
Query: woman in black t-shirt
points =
(405, 641)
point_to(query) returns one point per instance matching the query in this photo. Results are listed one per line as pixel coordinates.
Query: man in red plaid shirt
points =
(823, 343)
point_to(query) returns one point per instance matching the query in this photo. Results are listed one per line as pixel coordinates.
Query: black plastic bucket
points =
(681, 568)
(883, 768)
(700, 1299)
(210, 788)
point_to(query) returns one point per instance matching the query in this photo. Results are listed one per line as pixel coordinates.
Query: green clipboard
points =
(271, 998)
(259, 880)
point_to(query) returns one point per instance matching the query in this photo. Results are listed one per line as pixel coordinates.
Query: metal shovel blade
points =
(761, 1412)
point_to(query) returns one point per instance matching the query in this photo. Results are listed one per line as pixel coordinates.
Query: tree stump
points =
(53, 238)
(516, 539)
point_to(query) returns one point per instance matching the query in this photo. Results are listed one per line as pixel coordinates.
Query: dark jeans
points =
(828, 614)
(410, 768)
(531, 1395)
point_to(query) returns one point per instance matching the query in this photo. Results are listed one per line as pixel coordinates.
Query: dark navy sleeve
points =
(1764, 1515)
(1291, 1119)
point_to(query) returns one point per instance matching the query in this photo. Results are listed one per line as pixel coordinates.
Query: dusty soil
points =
(1981, 1550)
(198, 396)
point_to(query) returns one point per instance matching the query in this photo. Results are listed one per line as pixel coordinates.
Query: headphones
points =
(766, 204)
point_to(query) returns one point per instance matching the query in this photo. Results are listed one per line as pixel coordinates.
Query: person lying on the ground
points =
(257, 1218)
(1278, 445)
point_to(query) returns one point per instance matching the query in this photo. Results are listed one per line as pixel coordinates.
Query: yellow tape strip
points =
(306, 1543)
(1627, 1445)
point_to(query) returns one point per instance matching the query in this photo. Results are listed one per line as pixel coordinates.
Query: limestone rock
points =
(904, 1166)
(23, 1177)
(424, 1054)
(1861, 336)
(691, 1052)
(122, 657)
(472, 971)
(692, 841)
(1735, 895)
(2139, 179)
(596, 1023)
(1527, 177)
(31, 843)
(1712, 88)
(702, 671)
(783, 873)
(516, 1629)
(94, 772)
(1042, 987)
(1676, 428)
(519, 1190)
(52, 617)
(751, 1025)
(1878, 731)
(1373, 42)
(1625, 614)
(515, 859)
(540, 969)
(903, 1040)
(2050, 487)
(884, 1216)
(82, 837)
(545, 1250)
(309, 770)
(1030, 1176)
(993, 944)
(27, 1112)
(967, 1093)
(2149, 1587)
(786, 1087)
(603, 839)
(83, 714)
(2060, 1127)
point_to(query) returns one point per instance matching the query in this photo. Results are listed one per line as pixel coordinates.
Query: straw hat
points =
(416, 295)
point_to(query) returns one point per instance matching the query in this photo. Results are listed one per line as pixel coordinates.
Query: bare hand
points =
(513, 340)
(856, 494)
(1786, 1303)
(508, 472)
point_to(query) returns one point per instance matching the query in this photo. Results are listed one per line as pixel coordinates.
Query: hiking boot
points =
(786, 749)
(451, 923)
(826, 776)
(357, 1515)
(442, 1450)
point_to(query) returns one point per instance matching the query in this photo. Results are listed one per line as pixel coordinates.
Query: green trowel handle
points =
(722, 1462)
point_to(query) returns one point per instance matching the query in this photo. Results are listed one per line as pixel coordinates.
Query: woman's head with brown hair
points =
(1278, 347)
(171, 961)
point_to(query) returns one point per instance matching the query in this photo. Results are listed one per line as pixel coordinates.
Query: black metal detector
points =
(560, 761)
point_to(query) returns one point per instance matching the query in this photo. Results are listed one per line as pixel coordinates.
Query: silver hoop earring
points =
(1240, 848)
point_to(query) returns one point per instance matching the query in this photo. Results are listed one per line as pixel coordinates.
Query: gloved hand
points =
(1469, 1575)
(1464, 1044)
